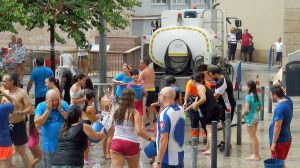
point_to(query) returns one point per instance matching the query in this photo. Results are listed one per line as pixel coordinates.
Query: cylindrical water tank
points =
(176, 40)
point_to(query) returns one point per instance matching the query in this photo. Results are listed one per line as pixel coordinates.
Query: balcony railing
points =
(115, 60)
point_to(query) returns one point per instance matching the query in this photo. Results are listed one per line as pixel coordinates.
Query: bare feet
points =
(202, 150)
(208, 152)
(253, 158)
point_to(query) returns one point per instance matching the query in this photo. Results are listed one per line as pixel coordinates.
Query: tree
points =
(11, 12)
(73, 17)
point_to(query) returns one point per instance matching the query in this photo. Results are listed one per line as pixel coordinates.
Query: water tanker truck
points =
(188, 40)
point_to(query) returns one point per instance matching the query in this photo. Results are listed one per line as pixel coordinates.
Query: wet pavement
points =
(239, 153)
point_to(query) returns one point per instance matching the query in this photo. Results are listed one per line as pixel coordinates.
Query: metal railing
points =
(115, 60)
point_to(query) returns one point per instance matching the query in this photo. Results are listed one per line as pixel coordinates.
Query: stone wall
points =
(263, 18)
(291, 26)
(259, 56)
(40, 38)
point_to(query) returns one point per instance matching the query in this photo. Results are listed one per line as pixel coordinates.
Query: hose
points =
(184, 67)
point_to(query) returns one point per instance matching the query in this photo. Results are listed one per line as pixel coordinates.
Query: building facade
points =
(291, 31)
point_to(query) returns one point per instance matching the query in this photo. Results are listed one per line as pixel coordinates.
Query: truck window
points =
(190, 14)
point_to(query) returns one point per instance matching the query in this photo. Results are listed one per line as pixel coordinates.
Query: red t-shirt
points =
(246, 39)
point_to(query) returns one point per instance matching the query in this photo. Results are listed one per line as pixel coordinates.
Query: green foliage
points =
(11, 12)
(73, 17)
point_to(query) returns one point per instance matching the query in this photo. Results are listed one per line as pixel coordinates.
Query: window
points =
(159, 2)
(180, 1)
(200, 1)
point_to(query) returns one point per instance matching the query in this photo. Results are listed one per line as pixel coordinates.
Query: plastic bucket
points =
(97, 127)
(273, 163)
(150, 150)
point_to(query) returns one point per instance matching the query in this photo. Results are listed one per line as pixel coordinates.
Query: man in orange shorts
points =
(17, 119)
(6, 147)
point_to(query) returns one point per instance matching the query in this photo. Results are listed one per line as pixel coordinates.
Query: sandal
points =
(107, 157)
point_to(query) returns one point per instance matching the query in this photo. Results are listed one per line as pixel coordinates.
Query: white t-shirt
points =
(82, 52)
(279, 46)
(232, 38)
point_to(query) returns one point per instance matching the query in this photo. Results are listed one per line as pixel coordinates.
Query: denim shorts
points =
(251, 120)
(47, 160)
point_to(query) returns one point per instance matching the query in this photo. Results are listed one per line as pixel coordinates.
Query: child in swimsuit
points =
(139, 91)
(33, 144)
(106, 106)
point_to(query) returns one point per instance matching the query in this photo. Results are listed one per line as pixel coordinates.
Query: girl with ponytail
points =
(89, 116)
(252, 107)
(74, 140)
(89, 110)
(76, 91)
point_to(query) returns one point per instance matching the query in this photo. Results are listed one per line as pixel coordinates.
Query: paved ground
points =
(239, 153)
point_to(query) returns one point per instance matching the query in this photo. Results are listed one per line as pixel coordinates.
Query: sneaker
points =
(222, 143)
(223, 148)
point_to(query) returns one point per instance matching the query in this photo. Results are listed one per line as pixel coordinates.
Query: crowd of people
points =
(60, 125)
(247, 46)
(13, 57)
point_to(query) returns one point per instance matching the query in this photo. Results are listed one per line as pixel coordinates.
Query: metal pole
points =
(262, 113)
(194, 152)
(238, 91)
(273, 53)
(52, 46)
(214, 138)
(270, 100)
(239, 125)
(227, 133)
(102, 53)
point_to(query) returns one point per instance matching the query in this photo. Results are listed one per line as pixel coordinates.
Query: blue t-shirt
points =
(284, 112)
(50, 130)
(39, 75)
(122, 77)
(5, 110)
(138, 90)
(171, 121)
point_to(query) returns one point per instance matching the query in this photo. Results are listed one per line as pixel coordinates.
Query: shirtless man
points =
(147, 77)
(18, 117)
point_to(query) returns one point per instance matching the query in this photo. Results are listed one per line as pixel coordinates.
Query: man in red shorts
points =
(279, 133)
